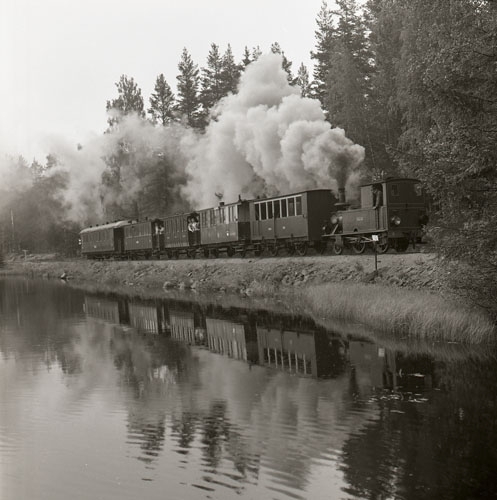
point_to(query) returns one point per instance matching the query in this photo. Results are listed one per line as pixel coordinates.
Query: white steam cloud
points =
(266, 139)
(150, 151)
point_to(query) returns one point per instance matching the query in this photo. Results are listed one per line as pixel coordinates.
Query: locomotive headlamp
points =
(395, 220)
(334, 219)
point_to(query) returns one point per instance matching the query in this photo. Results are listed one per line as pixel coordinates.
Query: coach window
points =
(284, 212)
(276, 209)
(233, 215)
(291, 207)
(263, 211)
(298, 205)
(257, 211)
(394, 190)
(418, 189)
(269, 209)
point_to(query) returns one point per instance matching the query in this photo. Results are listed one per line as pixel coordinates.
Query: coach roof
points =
(110, 225)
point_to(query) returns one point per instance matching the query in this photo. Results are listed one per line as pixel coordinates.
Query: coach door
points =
(256, 225)
(193, 229)
(119, 240)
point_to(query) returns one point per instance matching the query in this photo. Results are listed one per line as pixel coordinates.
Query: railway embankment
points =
(406, 294)
(249, 276)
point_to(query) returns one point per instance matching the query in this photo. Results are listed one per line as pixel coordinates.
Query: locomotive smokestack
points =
(342, 203)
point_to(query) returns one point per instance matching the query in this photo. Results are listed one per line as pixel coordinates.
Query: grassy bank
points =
(402, 313)
(406, 297)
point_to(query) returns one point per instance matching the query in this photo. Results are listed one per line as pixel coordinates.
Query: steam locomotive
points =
(392, 213)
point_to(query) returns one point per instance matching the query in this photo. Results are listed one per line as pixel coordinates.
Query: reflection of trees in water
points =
(38, 310)
(185, 429)
(149, 434)
(214, 433)
(442, 448)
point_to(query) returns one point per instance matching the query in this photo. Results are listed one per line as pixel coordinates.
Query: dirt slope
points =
(250, 275)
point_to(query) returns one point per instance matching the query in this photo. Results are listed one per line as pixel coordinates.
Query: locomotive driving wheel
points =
(359, 246)
(382, 246)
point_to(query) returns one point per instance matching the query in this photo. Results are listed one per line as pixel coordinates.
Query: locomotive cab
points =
(392, 213)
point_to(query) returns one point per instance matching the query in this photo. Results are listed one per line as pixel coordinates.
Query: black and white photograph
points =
(248, 250)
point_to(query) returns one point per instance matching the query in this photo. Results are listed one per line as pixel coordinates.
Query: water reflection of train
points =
(286, 343)
(144, 317)
(382, 368)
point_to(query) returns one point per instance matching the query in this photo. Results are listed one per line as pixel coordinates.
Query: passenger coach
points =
(292, 222)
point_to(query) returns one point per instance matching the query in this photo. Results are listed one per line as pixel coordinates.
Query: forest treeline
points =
(414, 82)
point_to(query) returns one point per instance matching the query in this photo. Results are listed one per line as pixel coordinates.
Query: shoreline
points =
(406, 296)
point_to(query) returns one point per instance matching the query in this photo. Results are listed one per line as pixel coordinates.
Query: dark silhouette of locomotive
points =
(392, 213)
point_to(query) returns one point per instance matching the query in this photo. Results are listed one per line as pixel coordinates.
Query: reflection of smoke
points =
(266, 140)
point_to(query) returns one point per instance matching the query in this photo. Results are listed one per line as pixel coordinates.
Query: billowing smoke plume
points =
(129, 167)
(267, 140)
(264, 140)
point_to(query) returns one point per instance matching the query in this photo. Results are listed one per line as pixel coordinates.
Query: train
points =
(392, 214)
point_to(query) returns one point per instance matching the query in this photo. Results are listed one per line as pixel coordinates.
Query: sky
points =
(60, 59)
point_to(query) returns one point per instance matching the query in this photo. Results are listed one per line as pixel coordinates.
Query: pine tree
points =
(286, 64)
(188, 100)
(230, 72)
(302, 81)
(256, 53)
(161, 102)
(129, 100)
(324, 39)
(384, 19)
(212, 79)
(246, 57)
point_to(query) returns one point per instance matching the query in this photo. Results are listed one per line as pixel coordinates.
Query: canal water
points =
(109, 397)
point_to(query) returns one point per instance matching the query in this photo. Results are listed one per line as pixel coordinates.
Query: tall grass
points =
(404, 313)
